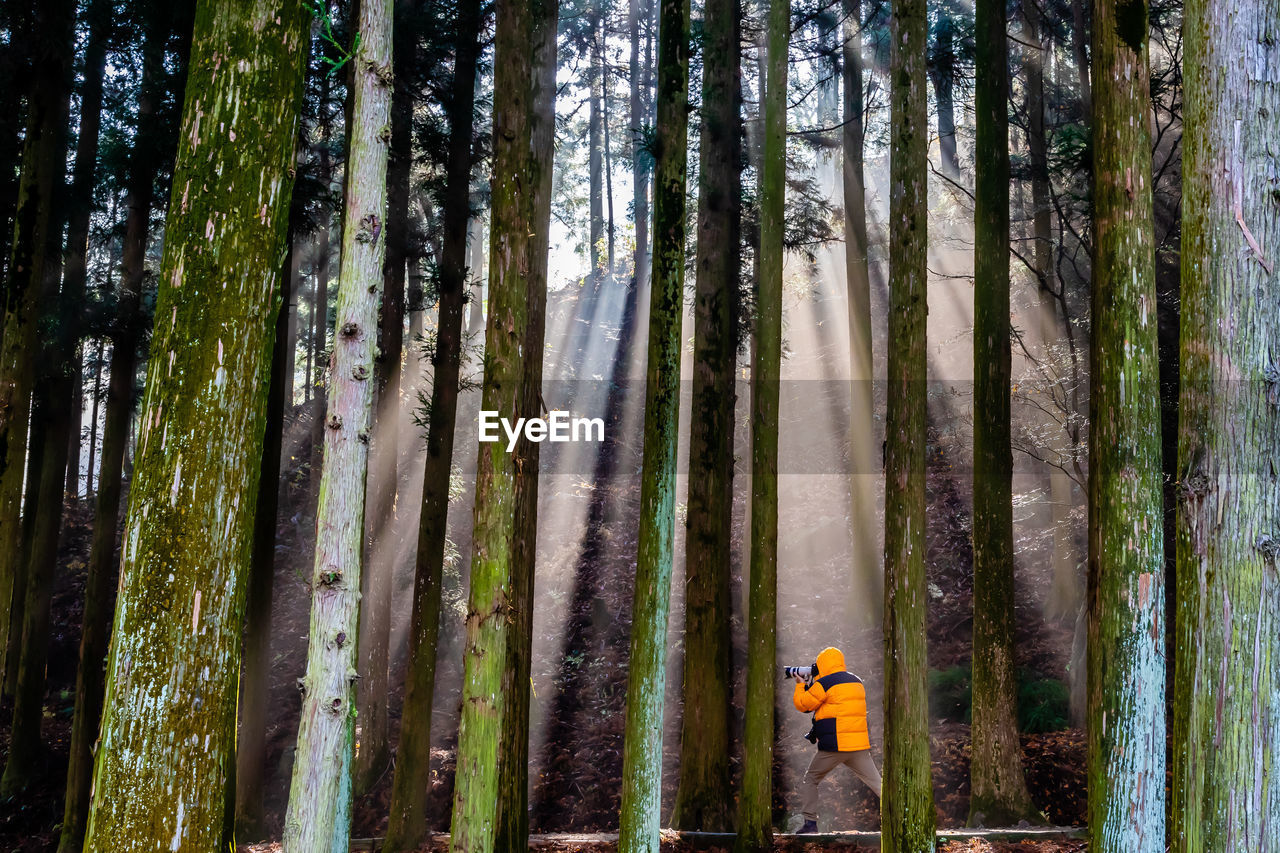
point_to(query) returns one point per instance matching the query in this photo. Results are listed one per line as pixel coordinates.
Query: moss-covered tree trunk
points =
(1227, 700)
(755, 805)
(408, 828)
(58, 378)
(320, 793)
(512, 833)
(646, 674)
(145, 158)
(704, 800)
(999, 792)
(906, 805)
(494, 548)
(43, 153)
(864, 462)
(159, 780)
(1126, 635)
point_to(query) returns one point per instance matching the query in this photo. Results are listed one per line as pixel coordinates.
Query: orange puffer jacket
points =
(839, 703)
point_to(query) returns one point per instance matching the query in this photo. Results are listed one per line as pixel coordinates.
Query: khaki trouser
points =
(823, 763)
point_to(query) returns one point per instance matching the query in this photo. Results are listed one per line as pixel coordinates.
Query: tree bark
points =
(907, 816)
(999, 791)
(704, 798)
(1126, 635)
(495, 530)
(755, 811)
(320, 793)
(170, 708)
(408, 828)
(512, 833)
(1227, 693)
(43, 157)
(646, 673)
(864, 465)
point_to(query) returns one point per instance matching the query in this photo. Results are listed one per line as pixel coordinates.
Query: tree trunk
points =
(512, 834)
(942, 70)
(999, 792)
(1227, 693)
(43, 157)
(907, 817)
(408, 828)
(646, 673)
(374, 753)
(170, 708)
(1126, 540)
(704, 799)
(495, 529)
(755, 812)
(639, 157)
(595, 141)
(320, 794)
(57, 388)
(866, 574)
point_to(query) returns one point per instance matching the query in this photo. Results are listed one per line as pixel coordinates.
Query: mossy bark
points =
(704, 799)
(755, 807)
(494, 548)
(646, 673)
(999, 791)
(1126, 635)
(159, 779)
(407, 828)
(1227, 685)
(57, 377)
(43, 159)
(863, 459)
(320, 793)
(512, 832)
(906, 805)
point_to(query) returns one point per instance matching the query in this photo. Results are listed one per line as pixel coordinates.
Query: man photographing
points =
(838, 701)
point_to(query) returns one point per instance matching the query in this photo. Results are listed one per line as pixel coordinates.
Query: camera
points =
(808, 673)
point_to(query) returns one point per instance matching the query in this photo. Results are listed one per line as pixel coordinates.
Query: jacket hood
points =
(830, 660)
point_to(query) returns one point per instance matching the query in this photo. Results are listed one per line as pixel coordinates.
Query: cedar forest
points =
(945, 332)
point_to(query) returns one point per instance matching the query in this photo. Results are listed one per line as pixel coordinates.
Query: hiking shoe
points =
(810, 827)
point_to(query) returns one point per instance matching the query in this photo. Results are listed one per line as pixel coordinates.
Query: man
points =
(839, 705)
